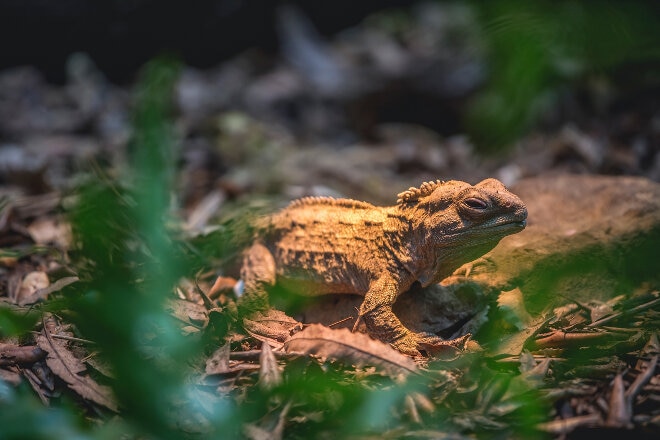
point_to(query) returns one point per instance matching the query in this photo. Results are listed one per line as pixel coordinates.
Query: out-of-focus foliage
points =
(537, 49)
(129, 263)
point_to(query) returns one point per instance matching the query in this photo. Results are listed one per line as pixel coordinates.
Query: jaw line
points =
(491, 232)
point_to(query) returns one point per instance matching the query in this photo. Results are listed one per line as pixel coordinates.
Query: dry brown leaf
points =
(69, 368)
(514, 343)
(269, 371)
(200, 216)
(270, 428)
(564, 426)
(272, 326)
(43, 293)
(652, 347)
(356, 348)
(620, 413)
(218, 363)
(46, 230)
(188, 312)
(32, 282)
(13, 354)
(10, 377)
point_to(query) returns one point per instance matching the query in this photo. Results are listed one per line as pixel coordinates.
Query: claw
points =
(434, 346)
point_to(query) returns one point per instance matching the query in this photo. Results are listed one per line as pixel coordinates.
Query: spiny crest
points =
(413, 194)
(330, 201)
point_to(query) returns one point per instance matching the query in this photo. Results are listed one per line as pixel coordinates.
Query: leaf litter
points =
(475, 391)
(578, 366)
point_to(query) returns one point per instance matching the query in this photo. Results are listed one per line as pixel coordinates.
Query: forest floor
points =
(116, 266)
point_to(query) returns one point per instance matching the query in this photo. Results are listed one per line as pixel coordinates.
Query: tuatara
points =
(320, 245)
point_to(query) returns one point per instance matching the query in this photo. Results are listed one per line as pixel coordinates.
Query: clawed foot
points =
(414, 344)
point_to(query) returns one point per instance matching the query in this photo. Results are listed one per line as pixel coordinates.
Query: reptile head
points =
(485, 212)
(460, 222)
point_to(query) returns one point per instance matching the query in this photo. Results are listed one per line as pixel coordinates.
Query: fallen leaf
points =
(355, 348)
(218, 363)
(46, 230)
(13, 354)
(69, 368)
(188, 312)
(43, 293)
(620, 413)
(565, 426)
(513, 344)
(269, 371)
(270, 428)
(512, 307)
(272, 326)
(32, 282)
(10, 377)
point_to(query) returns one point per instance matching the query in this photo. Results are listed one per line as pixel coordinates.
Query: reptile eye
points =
(475, 203)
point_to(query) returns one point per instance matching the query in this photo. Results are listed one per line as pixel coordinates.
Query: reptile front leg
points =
(258, 319)
(258, 275)
(382, 323)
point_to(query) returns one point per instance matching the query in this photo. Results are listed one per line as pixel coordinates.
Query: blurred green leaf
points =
(15, 322)
(537, 49)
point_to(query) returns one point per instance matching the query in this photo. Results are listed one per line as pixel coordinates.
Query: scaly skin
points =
(323, 245)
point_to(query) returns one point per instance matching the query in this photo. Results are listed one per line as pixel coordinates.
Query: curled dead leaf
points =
(72, 370)
(272, 326)
(355, 348)
(219, 361)
(32, 282)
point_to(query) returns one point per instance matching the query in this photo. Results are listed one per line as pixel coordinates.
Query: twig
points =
(348, 318)
(642, 379)
(617, 315)
(207, 301)
(559, 338)
(26, 354)
(68, 338)
(564, 426)
(253, 355)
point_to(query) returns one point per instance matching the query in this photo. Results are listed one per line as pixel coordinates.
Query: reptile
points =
(321, 245)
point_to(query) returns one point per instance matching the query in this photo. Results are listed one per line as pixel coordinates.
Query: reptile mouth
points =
(520, 224)
(506, 228)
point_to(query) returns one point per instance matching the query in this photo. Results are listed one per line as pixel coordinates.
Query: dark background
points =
(120, 35)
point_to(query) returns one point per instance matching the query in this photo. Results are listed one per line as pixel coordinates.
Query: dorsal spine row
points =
(413, 194)
(329, 201)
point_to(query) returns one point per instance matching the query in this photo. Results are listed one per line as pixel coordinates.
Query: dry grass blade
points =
(559, 338)
(652, 347)
(642, 379)
(269, 373)
(620, 413)
(632, 311)
(68, 368)
(270, 429)
(43, 293)
(356, 348)
(564, 426)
